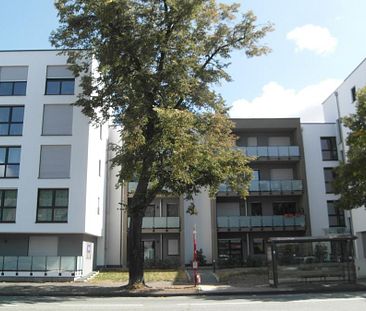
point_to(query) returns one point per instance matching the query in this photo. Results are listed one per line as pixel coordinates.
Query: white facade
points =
(84, 144)
(338, 105)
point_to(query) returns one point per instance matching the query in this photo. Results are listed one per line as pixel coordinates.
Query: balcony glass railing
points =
(271, 151)
(160, 223)
(279, 186)
(232, 222)
(46, 264)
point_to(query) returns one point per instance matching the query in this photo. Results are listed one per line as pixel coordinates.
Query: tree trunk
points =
(135, 252)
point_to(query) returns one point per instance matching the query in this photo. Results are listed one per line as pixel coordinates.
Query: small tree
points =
(158, 61)
(350, 181)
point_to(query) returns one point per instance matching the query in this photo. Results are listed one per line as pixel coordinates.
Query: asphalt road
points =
(321, 302)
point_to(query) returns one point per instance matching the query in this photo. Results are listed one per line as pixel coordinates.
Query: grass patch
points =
(175, 276)
(239, 273)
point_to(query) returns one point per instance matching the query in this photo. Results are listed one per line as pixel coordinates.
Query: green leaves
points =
(350, 180)
(157, 63)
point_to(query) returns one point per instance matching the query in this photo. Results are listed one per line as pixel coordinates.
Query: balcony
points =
(261, 223)
(337, 231)
(160, 224)
(276, 153)
(271, 187)
(41, 266)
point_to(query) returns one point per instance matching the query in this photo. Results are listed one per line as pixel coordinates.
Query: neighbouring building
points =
(61, 214)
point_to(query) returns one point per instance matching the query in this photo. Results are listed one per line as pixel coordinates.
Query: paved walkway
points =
(159, 289)
(207, 276)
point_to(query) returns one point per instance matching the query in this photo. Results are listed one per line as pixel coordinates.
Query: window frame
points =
(338, 214)
(333, 151)
(2, 206)
(10, 122)
(60, 81)
(285, 209)
(53, 206)
(7, 163)
(13, 84)
(328, 184)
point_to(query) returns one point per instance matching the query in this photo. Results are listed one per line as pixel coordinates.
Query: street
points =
(324, 302)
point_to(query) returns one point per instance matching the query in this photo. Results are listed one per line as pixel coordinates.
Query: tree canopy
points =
(158, 61)
(350, 180)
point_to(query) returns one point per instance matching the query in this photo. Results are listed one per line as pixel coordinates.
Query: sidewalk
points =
(158, 289)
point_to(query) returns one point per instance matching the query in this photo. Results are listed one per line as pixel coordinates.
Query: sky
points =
(315, 45)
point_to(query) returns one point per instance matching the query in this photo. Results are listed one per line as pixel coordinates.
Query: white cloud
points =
(278, 102)
(313, 38)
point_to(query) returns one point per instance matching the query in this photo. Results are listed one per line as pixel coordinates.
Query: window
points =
(8, 203)
(173, 247)
(149, 250)
(353, 94)
(13, 80)
(282, 174)
(150, 211)
(252, 141)
(55, 161)
(279, 141)
(11, 120)
(329, 148)
(335, 215)
(52, 205)
(172, 210)
(57, 120)
(256, 175)
(9, 162)
(255, 208)
(60, 81)
(258, 246)
(230, 250)
(282, 208)
(329, 176)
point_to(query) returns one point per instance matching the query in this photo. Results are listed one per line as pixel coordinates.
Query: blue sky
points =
(316, 44)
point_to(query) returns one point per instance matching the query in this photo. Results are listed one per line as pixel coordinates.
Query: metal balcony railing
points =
(277, 186)
(44, 264)
(276, 221)
(271, 152)
(160, 223)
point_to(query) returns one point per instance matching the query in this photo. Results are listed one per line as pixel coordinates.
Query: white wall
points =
(202, 222)
(314, 165)
(30, 142)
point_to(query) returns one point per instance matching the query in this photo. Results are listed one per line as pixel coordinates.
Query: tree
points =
(158, 61)
(350, 181)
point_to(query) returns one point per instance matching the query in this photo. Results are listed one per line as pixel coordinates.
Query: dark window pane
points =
(172, 210)
(17, 114)
(16, 129)
(44, 214)
(20, 88)
(62, 197)
(12, 170)
(60, 214)
(14, 155)
(4, 129)
(4, 114)
(45, 198)
(10, 198)
(52, 87)
(2, 155)
(67, 87)
(8, 215)
(6, 88)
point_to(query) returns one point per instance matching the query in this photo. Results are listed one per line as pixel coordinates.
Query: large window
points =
(282, 208)
(8, 204)
(329, 148)
(329, 176)
(13, 80)
(9, 161)
(60, 81)
(52, 205)
(255, 208)
(230, 250)
(172, 210)
(57, 120)
(55, 161)
(11, 120)
(335, 215)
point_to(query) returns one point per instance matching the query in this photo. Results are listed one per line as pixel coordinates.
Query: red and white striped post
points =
(195, 261)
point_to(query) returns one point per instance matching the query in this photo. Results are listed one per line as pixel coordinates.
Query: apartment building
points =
(339, 104)
(52, 170)
(62, 215)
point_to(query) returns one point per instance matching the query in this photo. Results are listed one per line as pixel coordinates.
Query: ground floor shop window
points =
(258, 246)
(173, 247)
